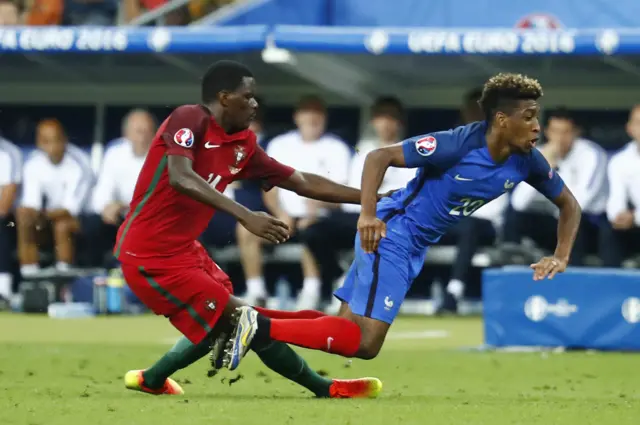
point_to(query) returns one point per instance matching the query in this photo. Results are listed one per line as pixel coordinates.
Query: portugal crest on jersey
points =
(239, 155)
(426, 145)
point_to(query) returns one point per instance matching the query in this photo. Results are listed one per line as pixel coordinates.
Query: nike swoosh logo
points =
(462, 179)
(208, 145)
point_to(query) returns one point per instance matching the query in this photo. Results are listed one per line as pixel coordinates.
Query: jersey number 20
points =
(468, 207)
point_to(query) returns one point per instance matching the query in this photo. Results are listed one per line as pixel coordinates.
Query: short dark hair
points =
(311, 103)
(561, 113)
(502, 92)
(224, 75)
(388, 106)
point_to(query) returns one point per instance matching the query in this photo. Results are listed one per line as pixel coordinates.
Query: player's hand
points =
(267, 227)
(371, 230)
(289, 221)
(624, 221)
(548, 267)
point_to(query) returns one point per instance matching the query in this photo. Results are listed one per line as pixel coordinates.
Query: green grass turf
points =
(70, 372)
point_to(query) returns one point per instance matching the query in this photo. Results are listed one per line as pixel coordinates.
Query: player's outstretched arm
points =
(317, 187)
(568, 224)
(186, 181)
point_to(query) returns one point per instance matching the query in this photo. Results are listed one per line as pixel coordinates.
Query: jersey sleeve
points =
(184, 129)
(542, 177)
(441, 149)
(263, 167)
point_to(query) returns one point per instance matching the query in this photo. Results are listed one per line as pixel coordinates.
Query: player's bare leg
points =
(63, 231)
(373, 332)
(27, 221)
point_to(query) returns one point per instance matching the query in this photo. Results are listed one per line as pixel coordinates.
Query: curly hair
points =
(502, 92)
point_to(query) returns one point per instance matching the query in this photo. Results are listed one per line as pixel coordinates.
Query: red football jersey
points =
(163, 223)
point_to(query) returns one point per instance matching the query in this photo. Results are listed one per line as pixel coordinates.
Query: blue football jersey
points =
(456, 176)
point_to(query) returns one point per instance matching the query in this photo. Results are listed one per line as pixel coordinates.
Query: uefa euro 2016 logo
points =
(537, 308)
(426, 145)
(631, 310)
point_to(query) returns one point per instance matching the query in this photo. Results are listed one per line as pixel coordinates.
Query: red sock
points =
(279, 314)
(329, 334)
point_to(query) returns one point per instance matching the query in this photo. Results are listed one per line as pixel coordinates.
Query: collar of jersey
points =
(227, 138)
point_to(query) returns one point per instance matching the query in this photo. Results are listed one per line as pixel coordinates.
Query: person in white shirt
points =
(471, 233)
(622, 238)
(112, 194)
(334, 233)
(308, 149)
(56, 183)
(10, 178)
(582, 164)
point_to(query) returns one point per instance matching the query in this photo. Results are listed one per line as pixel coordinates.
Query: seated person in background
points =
(135, 8)
(583, 166)
(43, 12)
(90, 12)
(335, 232)
(622, 238)
(309, 149)
(56, 183)
(469, 234)
(10, 178)
(9, 13)
(121, 165)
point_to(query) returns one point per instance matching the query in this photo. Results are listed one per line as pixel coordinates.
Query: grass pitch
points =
(69, 372)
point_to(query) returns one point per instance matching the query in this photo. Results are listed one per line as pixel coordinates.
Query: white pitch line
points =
(432, 334)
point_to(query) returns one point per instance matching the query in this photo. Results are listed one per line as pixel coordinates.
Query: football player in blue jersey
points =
(459, 171)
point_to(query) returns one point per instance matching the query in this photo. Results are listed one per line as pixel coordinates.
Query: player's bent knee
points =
(369, 349)
(26, 216)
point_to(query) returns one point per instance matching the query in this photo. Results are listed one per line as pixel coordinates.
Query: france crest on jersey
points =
(456, 176)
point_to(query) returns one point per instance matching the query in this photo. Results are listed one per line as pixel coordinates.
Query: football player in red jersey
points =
(196, 153)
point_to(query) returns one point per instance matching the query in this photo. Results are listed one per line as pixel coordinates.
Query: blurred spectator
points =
(470, 110)
(43, 12)
(135, 8)
(201, 8)
(9, 13)
(623, 237)
(117, 179)
(56, 183)
(90, 12)
(329, 235)
(10, 178)
(471, 233)
(307, 149)
(582, 164)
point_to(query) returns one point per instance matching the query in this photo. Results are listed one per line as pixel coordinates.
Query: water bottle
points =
(283, 294)
(100, 294)
(70, 310)
(115, 292)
